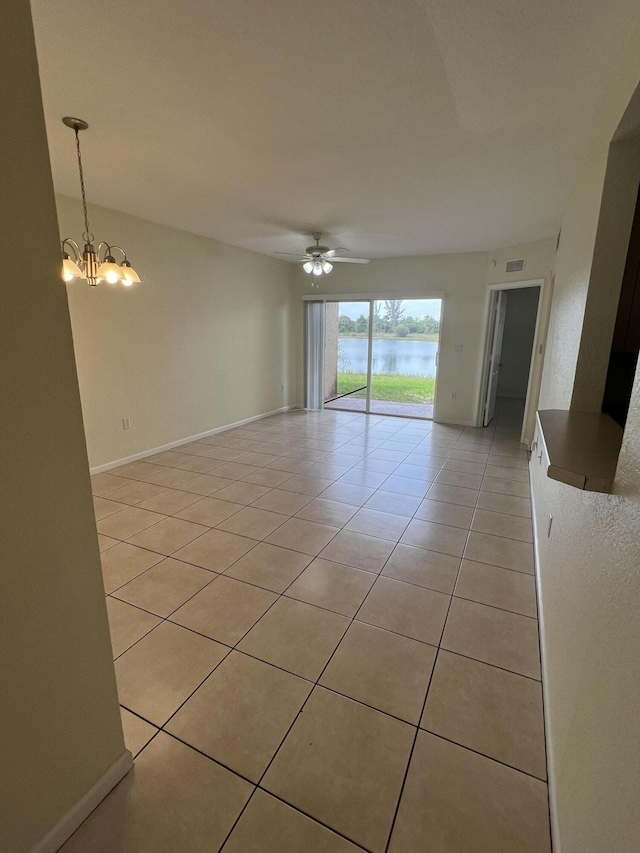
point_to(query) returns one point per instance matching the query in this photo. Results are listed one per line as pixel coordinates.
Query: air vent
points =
(516, 265)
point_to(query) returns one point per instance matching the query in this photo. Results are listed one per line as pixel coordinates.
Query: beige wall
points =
(461, 280)
(59, 710)
(590, 566)
(539, 260)
(204, 341)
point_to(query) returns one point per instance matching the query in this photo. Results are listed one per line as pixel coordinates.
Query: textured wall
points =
(590, 566)
(205, 340)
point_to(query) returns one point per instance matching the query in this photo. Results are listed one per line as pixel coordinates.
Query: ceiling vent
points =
(516, 265)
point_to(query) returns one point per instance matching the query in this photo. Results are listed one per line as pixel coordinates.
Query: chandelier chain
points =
(88, 236)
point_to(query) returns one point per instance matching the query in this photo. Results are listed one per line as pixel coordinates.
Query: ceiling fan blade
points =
(333, 252)
(294, 255)
(349, 260)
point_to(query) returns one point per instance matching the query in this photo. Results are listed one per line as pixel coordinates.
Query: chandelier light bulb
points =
(109, 271)
(70, 269)
(128, 275)
(326, 267)
(317, 268)
(308, 267)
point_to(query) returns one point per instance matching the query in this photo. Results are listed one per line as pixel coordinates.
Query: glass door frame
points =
(372, 299)
(367, 404)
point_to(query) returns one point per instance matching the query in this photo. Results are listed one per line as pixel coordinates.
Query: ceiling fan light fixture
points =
(319, 260)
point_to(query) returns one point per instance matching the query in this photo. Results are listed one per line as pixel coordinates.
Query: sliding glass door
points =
(346, 355)
(381, 356)
(404, 356)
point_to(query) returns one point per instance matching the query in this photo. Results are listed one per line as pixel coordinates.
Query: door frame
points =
(495, 309)
(537, 352)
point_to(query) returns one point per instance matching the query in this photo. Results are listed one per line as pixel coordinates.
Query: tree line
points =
(391, 320)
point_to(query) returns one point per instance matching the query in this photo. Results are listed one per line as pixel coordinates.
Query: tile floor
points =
(325, 639)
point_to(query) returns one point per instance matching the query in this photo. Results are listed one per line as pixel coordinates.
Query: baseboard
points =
(553, 805)
(453, 423)
(107, 466)
(68, 824)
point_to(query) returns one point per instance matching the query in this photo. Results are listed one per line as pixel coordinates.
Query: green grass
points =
(389, 387)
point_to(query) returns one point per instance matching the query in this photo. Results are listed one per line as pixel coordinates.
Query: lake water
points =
(416, 358)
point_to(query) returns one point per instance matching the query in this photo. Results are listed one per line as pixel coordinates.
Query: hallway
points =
(325, 639)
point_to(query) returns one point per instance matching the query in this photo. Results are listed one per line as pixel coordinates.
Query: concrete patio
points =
(380, 407)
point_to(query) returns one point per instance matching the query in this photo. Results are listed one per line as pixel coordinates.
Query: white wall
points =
(517, 343)
(205, 340)
(462, 282)
(59, 717)
(590, 566)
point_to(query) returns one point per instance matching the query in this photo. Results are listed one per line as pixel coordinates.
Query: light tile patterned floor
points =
(325, 639)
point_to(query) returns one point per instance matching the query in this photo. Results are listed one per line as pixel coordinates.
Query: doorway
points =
(381, 355)
(513, 350)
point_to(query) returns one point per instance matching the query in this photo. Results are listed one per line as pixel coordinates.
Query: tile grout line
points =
(424, 703)
(378, 574)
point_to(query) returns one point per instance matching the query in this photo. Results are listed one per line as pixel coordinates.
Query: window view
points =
(393, 370)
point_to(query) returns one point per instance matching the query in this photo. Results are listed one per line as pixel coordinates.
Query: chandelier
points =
(94, 265)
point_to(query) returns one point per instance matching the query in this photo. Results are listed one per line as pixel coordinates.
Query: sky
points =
(412, 307)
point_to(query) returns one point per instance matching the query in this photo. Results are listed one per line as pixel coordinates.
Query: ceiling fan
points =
(319, 259)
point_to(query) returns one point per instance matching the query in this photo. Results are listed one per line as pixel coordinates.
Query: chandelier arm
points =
(105, 245)
(119, 248)
(76, 249)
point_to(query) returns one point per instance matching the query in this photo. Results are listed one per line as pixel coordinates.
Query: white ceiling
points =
(397, 127)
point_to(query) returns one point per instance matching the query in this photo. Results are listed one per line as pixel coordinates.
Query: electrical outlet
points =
(459, 347)
(126, 423)
(454, 395)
